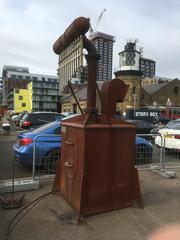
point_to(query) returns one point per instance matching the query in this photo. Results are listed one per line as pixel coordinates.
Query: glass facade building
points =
(104, 46)
(0, 91)
(148, 67)
(44, 88)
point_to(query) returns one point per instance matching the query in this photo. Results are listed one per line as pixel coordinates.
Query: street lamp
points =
(168, 104)
(134, 103)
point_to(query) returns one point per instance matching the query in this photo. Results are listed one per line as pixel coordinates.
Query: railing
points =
(150, 151)
(45, 158)
(147, 153)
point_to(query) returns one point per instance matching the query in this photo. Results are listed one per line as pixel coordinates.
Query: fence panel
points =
(11, 169)
(147, 152)
(171, 145)
(151, 150)
(46, 153)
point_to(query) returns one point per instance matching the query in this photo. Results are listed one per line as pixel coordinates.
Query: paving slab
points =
(52, 218)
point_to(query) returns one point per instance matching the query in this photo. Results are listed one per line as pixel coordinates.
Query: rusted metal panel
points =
(112, 91)
(73, 167)
(97, 165)
(108, 177)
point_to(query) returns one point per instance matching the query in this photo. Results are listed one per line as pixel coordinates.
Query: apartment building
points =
(44, 88)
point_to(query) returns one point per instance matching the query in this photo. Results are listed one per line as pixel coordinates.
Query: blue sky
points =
(30, 27)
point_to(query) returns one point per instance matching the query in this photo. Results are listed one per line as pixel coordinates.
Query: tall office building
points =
(148, 67)
(104, 45)
(0, 91)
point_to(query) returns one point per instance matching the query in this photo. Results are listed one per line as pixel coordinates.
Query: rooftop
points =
(103, 35)
(153, 88)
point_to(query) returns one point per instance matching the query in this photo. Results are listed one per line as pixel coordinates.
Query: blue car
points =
(47, 140)
(48, 145)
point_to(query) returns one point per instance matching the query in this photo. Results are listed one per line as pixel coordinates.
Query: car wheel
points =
(141, 155)
(50, 161)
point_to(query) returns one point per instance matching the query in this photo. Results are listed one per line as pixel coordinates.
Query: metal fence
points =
(147, 153)
(151, 150)
(156, 149)
(46, 153)
(170, 144)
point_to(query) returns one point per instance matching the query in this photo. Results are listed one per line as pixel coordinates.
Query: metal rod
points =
(34, 157)
(75, 98)
(13, 170)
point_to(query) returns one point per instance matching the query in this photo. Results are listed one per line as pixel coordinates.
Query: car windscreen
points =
(58, 117)
(169, 124)
(175, 126)
(26, 117)
(44, 127)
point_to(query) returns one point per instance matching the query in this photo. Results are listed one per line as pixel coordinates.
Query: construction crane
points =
(91, 30)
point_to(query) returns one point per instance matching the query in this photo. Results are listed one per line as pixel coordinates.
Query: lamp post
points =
(134, 104)
(168, 104)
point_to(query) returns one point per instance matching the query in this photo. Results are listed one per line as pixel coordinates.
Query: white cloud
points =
(29, 29)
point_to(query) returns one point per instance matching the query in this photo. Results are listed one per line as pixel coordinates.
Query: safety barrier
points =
(46, 153)
(147, 152)
(165, 151)
(150, 151)
(170, 144)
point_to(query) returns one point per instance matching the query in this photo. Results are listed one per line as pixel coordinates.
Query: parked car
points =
(18, 118)
(168, 125)
(163, 121)
(142, 127)
(169, 137)
(14, 117)
(47, 147)
(36, 119)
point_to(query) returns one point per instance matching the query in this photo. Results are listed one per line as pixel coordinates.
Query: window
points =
(53, 98)
(27, 77)
(17, 91)
(57, 130)
(134, 90)
(23, 104)
(176, 90)
(13, 76)
(57, 117)
(142, 96)
(41, 84)
(20, 97)
(44, 118)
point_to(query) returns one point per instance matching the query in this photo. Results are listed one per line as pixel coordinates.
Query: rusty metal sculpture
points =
(96, 172)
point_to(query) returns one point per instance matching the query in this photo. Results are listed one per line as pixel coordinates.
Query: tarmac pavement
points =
(52, 218)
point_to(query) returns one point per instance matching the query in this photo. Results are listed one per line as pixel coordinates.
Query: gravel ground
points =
(53, 218)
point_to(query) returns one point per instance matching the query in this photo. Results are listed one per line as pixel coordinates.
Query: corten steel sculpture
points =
(96, 172)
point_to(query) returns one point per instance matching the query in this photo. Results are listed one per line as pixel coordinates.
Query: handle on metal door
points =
(68, 142)
(68, 164)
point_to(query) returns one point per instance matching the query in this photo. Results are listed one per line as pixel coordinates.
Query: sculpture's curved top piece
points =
(76, 28)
